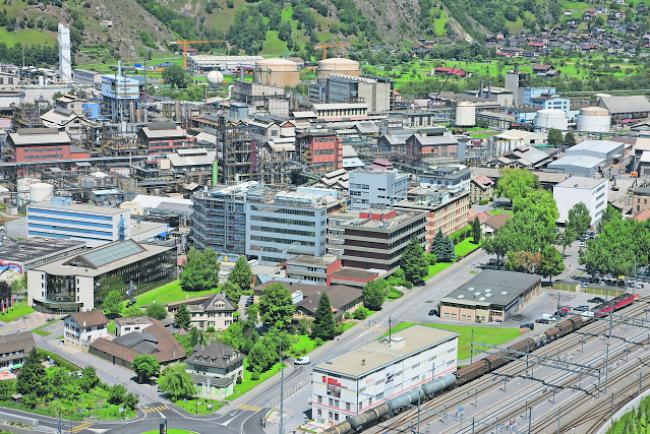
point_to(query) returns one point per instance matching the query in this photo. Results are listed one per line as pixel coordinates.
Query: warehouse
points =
(207, 62)
(491, 296)
(356, 381)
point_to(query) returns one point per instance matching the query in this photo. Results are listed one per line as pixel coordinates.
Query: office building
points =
(492, 295)
(95, 225)
(378, 186)
(219, 218)
(349, 89)
(376, 239)
(454, 178)
(79, 283)
(285, 224)
(313, 270)
(590, 191)
(368, 376)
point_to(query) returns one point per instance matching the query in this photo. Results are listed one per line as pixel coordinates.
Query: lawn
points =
(465, 247)
(248, 383)
(303, 345)
(440, 24)
(485, 335)
(169, 293)
(273, 45)
(27, 37)
(344, 326)
(16, 311)
(499, 211)
(394, 294)
(110, 327)
(436, 268)
(198, 406)
(39, 330)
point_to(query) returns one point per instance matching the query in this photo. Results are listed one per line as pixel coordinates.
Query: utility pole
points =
(530, 418)
(606, 362)
(558, 419)
(471, 348)
(281, 427)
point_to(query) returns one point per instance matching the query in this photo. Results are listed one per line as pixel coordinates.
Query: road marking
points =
(249, 407)
(81, 427)
(155, 409)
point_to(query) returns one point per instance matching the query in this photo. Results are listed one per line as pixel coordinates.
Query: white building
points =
(83, 328)
(377, 188)
(354, 382)
(590, 191)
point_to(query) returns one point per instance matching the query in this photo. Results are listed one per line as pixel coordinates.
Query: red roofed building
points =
(449, 71)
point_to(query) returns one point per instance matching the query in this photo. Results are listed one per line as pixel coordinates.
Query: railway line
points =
(469, 393)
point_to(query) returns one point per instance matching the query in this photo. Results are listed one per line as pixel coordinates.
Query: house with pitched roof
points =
(83, 328)
(215, 368)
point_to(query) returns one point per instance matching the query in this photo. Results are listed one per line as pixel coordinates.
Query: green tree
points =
(157, 311)
(551, 263)
(579, 221)
(231, 291)
(132, 311)
(554, 137)
(565, 238)
(324, 325)
(439, 245)
(31, 377)
(7, 389)
(374, 294)
(196, 337)
(241, 274)
(569, 139)
(476, 230)
(118, 395)
(182, 317)
(145, 366)
(262, 356)
(276, 306)
(175, 76)
(176, 383)
(514, 183)
(201, 270)
(89, 379)
(112, 304)
(413, 262)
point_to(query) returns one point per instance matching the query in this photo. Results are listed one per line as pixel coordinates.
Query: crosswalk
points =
(81, 427)
(155, 409)
(248, 407)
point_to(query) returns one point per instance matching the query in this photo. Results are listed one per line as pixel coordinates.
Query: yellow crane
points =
(187, 42)
(325, 45)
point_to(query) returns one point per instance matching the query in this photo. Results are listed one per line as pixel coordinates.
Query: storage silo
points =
(465, 114)
(276, 72)
(551, 118)
(594, 120)
(23, 188)
(41, 191)
(338, 66)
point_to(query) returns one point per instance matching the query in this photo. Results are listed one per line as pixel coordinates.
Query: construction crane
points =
(325, 45)
(187, 42)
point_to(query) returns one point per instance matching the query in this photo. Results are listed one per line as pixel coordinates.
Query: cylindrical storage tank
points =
(338, 66)
(276, 72)
(551, 118)
(594, 120)
(23, 188)
(40, 192)
(465, 114)
(215, 78)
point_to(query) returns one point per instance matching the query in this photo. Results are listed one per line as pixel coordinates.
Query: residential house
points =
(14, 348)
(494, 223)
(83, 328)
(481, 189)
(215, 369)
(214, 313)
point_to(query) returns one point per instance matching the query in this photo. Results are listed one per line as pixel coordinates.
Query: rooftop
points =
(581, 182)
(15, 342)
(39, 136)
(215, 354)
(91, 318)
(493, 287)
(604, 146)
(577, 161)
(383, 219)
(34, 248)
(626, 104)
(74, 207)
(312, 260)
(379, 354)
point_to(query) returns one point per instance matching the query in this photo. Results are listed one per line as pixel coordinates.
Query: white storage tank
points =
(551, 118)
(594, 120)
(40, 192)
(338, 66)
(23, 188)
(215, 78)
(465, 114)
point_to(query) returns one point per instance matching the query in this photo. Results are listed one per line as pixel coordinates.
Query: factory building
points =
(362, 379)
(121, 96)
(626, 107)
(31, 145)
(319, 151)
(206, 62)
(492, 295)
(348, 89)
(590, 191)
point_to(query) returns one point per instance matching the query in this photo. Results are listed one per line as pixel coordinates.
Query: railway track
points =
(468, 392)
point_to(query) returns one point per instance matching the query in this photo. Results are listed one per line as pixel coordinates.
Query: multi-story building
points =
(481, 189)
(194, 164)
(80, 283)
(14, 349)
(368, 376)
(313, 270)
(288, 223)
(214, 313)
(348, 89)
(337, 111)
(433, 147)
(121, 96)
(83, 328)
(376, 239)
(377, 186)
(454, 178)
(320, 152)
(33, 145)
(159, 138)
(219, 218)
(95, 225)
(445, 211)
(215, 368)
(590, 191)
(640, 198)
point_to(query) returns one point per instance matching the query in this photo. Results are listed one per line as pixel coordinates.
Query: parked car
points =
(302, 361)
(543, 321)
(527, 326)
(596, 300)
(433, 312)
(581, 308)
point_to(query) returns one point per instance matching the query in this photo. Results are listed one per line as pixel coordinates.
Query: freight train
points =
(471, 372)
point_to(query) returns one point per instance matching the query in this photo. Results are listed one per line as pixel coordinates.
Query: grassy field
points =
(27, 37)
(465, 247)
(248, 383)
(198, 406)
(17, 311)
(440, 24)
(169, 293)
(39, 330)
(485, 335)
(303, 345)
(436, 268)
(274, 46)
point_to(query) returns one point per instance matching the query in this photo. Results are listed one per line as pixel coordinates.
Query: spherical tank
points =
(594, 120)
(215, 78)
(551, 118)
(465, 114)
(41, 191)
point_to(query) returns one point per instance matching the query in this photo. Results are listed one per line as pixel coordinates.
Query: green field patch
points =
(436, 268)
(248, 383)
(27, 37)
(17, 311)
(169, 293)
(465, 247)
